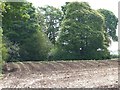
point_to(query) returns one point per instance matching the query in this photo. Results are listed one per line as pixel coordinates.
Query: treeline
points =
(76, 31)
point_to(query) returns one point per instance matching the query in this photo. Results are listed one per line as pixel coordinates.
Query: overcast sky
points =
(111, 5)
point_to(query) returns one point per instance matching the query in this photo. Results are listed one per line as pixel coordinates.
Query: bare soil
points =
(61, 74)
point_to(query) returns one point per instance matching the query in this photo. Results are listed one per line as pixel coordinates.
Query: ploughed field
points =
(61, 74)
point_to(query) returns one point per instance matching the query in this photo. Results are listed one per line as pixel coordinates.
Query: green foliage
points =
(11, 50)
(35, 47)
(114, 56)
(74, 6)
(22, 29)
(33, 34)
(111, 22)
(61, 54)
(52, 19)
(5, 54)
(0, 44)
(17, 16)
(1, 61)
(82, 34)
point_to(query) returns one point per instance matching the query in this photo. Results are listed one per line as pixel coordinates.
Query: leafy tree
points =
(0, 44)
(111, 22)
(0, 50)
(0, 32)
(21, 27)
(1, 10)
(82, 35)
(17, 16)
(52, 18)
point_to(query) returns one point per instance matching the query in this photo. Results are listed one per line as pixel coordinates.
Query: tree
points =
(1, 50)
(1, 31)
(52, 18)
(0, 34)
(21, 27)
(35, 48)
(0, 44)
(82, 35)
(16, 16)
(111, 22)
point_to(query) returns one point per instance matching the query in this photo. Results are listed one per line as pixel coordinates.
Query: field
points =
(61, 74)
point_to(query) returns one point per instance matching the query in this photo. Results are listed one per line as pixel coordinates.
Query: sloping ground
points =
(72, 74)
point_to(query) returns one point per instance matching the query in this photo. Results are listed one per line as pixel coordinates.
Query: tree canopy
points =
(52, 18)
(82, 34)
(0, 43)
(111, 22)
(20, 26)
(76, 31)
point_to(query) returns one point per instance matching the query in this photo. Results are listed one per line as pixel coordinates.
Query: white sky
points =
(111, 5)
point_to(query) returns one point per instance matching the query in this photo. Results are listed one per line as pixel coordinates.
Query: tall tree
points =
(52, 18)
(111, 22)
(20, 27)
(3, 48)
(2, 5)
(82, 35)
(0, 32)
(0, 44)
(0, 50)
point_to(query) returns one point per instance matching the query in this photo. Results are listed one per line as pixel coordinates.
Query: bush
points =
(4, 52)
(10, 51)
(35, 48)
(114, 56)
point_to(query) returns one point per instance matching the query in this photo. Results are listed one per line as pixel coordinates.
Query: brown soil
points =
(61, 74)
